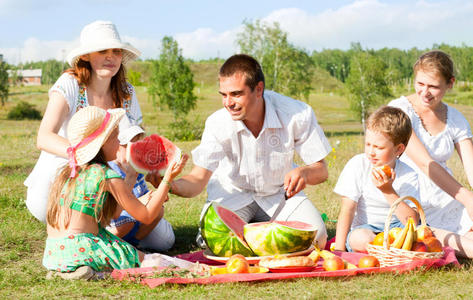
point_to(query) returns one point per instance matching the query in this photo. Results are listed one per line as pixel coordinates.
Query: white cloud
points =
(36, 50)
(373, 23)
(206, 43)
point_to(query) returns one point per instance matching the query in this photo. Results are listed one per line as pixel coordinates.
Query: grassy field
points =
(22, 237)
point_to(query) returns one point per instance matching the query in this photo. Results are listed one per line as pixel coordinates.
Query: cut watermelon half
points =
(153, 153)
(279, 237)
(222, 231)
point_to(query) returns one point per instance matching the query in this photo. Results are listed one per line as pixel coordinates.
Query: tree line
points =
(367, 74)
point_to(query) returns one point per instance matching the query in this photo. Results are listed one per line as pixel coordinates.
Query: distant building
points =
(26, 77)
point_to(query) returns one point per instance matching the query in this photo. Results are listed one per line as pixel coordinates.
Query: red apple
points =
(368, 261)
(424, 232)
(433, 245)
(419, 247)
(237, 263)
(333, 263)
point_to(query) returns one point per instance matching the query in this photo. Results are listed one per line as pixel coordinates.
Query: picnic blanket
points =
(141, 274)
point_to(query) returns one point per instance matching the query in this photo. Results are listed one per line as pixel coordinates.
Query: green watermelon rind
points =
(219, 238)
(266, 239)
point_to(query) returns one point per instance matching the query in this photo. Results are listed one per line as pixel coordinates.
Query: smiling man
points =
(246, 155)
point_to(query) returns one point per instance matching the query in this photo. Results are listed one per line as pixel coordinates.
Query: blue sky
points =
(32, 30)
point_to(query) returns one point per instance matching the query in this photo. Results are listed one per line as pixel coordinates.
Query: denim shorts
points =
(375, 229)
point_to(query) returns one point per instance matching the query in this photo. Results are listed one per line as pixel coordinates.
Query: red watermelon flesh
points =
(153, 153)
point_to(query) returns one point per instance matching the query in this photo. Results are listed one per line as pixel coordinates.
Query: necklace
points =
(441, 113)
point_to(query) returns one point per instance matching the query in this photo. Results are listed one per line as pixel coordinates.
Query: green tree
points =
(172, 80)
(287, 69)
(366, 83)
(334, 61)
(3, 82)
(51, 70)
(134, 77)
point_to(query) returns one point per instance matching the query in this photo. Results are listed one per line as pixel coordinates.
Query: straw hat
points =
(98, 36)
(127, 131)
(88, 130)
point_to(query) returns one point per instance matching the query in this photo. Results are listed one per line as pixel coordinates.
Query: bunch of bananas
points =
(406, 238)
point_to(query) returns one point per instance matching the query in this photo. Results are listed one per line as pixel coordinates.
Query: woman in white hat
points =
(97, 77)
(79, 205)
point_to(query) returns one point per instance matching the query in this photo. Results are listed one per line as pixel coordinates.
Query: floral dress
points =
(103, 251)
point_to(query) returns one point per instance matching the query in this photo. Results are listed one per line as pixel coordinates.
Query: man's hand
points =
(295, 181)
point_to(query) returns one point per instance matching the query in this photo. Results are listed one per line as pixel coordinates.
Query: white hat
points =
(88, 130)
(128, 131)
(98, 36)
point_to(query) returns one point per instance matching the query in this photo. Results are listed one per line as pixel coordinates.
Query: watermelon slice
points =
(222, 231)
(153, 153)
(271, 238)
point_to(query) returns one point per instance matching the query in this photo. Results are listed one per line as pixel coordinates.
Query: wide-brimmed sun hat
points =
(87, 131)
(98, 36)
(127, 131)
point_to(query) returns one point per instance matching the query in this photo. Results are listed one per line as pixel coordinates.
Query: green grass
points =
(22, 237)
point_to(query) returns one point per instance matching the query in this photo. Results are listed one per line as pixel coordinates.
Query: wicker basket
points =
(394, 256)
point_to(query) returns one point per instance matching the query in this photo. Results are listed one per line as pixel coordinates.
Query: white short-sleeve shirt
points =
(442, 210)
(356, 184)
(247, 168)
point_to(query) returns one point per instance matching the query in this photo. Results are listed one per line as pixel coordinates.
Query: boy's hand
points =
(130, 172)
(381, 180)
(154, 178)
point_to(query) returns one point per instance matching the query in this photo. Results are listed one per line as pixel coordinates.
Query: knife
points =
(279, 208)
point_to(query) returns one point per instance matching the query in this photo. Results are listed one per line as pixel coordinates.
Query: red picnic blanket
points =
(141, 273)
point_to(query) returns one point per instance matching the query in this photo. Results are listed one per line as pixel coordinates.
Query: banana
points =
(410, 235)
(326, 254)
(399, 241)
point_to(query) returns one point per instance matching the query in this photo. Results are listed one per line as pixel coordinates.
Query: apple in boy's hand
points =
(387, 170)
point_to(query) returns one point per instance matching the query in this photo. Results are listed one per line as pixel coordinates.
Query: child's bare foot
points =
(84, 272)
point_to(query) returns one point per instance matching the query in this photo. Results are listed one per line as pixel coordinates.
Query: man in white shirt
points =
(246, 154)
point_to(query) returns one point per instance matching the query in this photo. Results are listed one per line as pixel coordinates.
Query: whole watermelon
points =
(222, 231)
(279, 237)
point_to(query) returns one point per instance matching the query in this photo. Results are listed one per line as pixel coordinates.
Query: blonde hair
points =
(58, 214)
(436, 61)
(393, 122)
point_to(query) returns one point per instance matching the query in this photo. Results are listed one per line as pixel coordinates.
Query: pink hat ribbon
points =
(71, 151)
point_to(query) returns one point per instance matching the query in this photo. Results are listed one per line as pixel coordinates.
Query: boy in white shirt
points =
(367, 191)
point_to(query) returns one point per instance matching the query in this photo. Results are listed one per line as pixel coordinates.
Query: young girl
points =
(439, 130)
(85, 194)
(97, 77)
